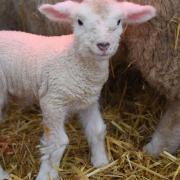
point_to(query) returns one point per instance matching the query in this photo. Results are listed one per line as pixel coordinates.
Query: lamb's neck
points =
(87, 59)
(94, 68)
(94, 64)
(95, 72)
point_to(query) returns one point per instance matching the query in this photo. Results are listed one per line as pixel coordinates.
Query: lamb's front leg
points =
(54, 140)
(95, 130)
(167, 135)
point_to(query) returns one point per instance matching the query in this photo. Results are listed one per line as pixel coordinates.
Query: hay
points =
(129, 127)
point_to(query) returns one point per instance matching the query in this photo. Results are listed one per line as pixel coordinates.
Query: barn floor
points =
(129, 124)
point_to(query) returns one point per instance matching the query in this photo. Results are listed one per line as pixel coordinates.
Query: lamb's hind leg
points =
(2, 106)
(167, 135)
(3, 95)
(3, 174)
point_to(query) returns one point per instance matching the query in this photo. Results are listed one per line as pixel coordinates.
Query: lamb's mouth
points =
(102, 55)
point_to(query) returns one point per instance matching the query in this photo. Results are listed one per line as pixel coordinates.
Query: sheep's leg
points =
(3, 175)
(54, 140)
(167, 134)
(3, 101)
(2, 107)
(3, 97)
(95, 130)
(1, 114)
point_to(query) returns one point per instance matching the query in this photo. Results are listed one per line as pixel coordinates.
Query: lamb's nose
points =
(103, 46)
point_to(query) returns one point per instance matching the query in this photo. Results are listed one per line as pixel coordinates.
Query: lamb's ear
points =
(59, 12)
(135, 13)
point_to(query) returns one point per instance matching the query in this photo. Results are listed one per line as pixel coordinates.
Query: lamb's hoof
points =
(47, 176)
(152, 150)
(4, 175)
(100, 161)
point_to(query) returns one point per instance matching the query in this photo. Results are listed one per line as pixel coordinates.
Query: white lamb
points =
(66, 74)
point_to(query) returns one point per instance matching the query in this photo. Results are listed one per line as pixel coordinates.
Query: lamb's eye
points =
(80, 22)
(119, 21)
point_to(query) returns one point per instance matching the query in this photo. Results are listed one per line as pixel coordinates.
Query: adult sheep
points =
(153, 49)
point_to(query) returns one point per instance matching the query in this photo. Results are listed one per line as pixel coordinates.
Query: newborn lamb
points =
(66, 74)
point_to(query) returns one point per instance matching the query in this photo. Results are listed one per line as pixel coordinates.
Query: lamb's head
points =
(98, 24)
